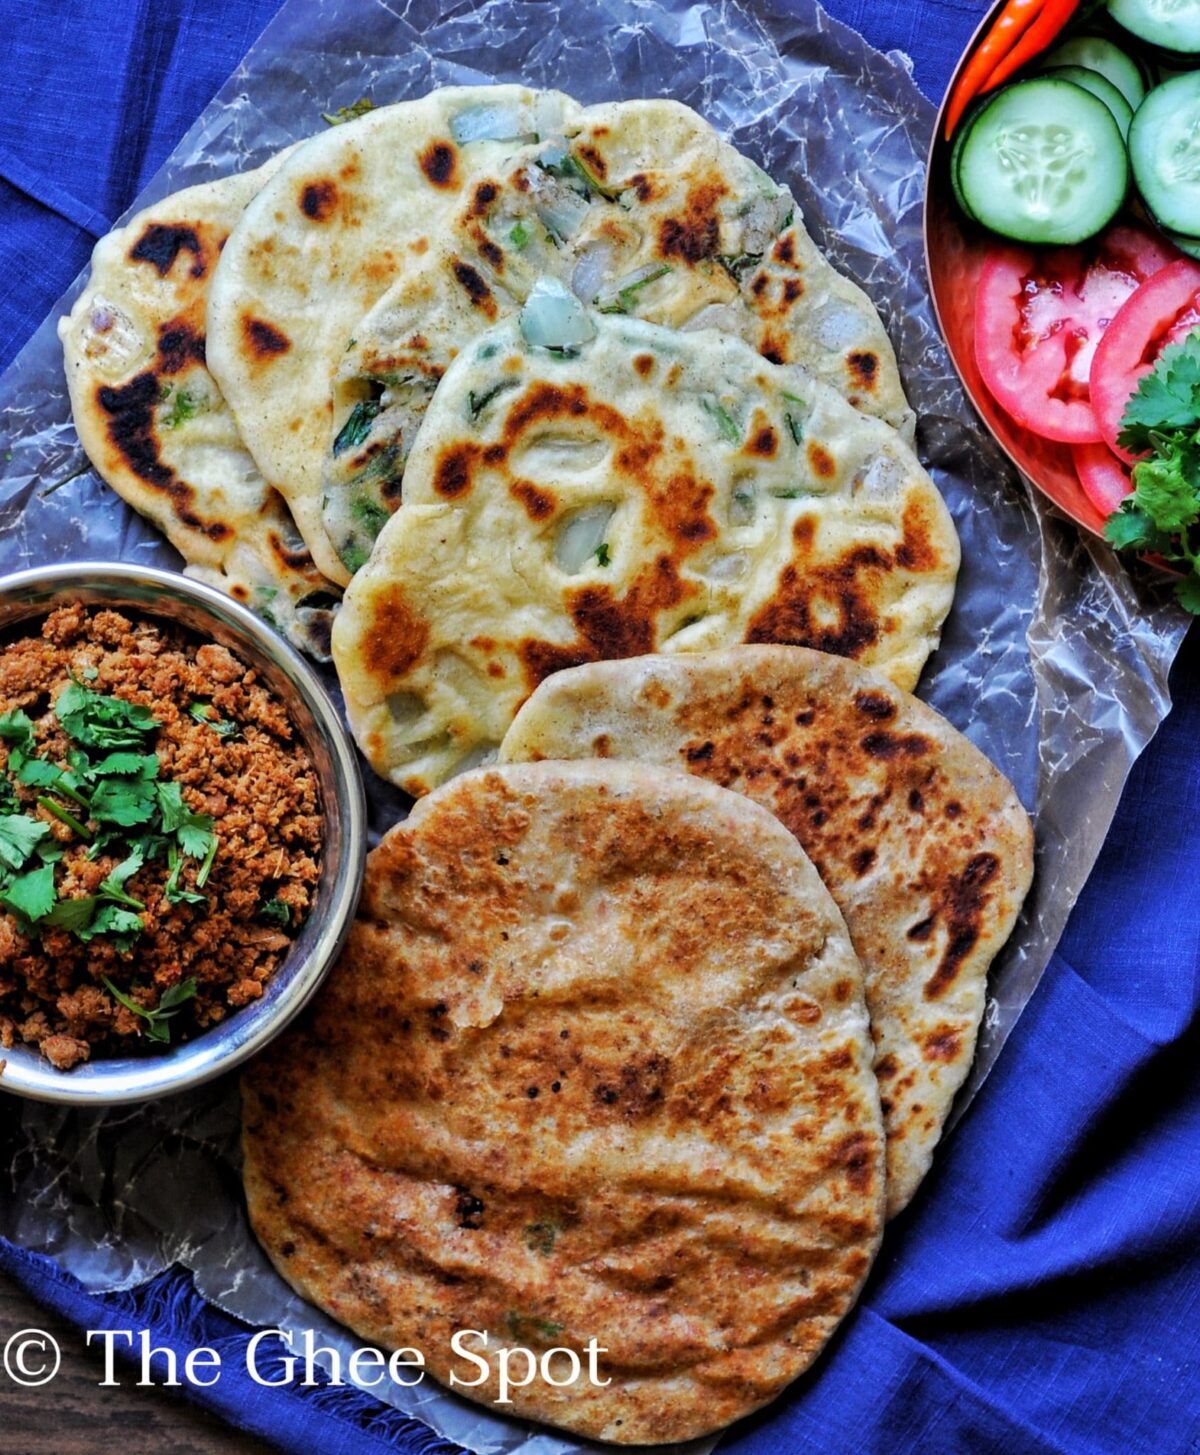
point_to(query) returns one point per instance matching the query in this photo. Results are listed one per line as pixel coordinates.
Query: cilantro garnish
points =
(275, 912)
(170, 1003)
(72, 914)
(194, 830)
(117, 802)
(1166, 398)
(97, 721)
(123, 801)
(65, 816)
(114, 886)
(31, 895)
(1162, 422)
(17, 731)
(602, 554)
(19, 836)
(220, 725)
(174, 894)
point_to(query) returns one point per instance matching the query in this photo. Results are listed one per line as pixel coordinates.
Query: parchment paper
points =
(1054, 660)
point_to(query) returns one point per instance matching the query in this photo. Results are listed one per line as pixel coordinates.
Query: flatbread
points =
(594, 1065)
(154, 423)
(642, 490)
(922, 843)
(642, 209)
(318, 246)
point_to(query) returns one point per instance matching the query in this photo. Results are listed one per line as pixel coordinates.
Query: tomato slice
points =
(1161, 312)
(1104, 478)
(1039, 316)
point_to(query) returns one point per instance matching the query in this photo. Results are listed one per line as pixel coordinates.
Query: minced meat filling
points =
(255, 781)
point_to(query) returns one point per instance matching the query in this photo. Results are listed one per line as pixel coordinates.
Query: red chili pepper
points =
(1039, 37)
(1011, 24)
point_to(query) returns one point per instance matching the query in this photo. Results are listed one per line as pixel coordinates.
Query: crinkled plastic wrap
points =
(1054, 660)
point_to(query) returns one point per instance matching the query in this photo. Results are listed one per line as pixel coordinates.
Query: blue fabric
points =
(1043, 1294)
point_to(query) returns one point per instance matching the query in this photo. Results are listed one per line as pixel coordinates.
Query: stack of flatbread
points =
(553, 427)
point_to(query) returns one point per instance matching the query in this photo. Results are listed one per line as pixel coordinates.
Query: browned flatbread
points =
(656, 491)
(595, 1065)
(154, 423)
(922, 843)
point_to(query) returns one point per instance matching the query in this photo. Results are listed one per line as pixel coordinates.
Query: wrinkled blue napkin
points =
(1043, 1293)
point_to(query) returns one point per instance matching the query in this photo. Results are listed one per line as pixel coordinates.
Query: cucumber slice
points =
(964, 130)
(1172, 25)
(1102, 89)
(1164, 148)
(1098, 53)
(1044, 163)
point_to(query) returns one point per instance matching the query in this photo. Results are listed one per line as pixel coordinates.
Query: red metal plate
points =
(954, 254)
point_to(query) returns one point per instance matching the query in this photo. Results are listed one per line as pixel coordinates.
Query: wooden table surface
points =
(66, 1416)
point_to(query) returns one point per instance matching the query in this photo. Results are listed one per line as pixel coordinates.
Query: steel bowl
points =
(114, 1080)
(954, 253)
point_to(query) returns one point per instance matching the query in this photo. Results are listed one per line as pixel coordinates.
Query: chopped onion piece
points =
(492, 122)
(727, 568)
(763, 222)
(743, 503)
(723, 316)
(581, 536)
(553, 318)
(594, 262)
(838, 326)
(622, 295)
(548, 113)
(561, 208)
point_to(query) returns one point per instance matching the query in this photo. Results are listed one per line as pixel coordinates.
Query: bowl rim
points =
(116, 1081)
(935, 151)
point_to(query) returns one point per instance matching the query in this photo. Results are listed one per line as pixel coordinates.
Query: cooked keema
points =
(154, 423)
(594, 1065)
(922, 843)
(318, 246)
(588, 486)
(642, 209)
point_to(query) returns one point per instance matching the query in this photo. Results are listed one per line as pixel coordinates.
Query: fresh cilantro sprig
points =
(116, 802)
(97, 721)
(220, 725)
(275, 912)
(1162, 423)
(170, 1003)
(19, 836)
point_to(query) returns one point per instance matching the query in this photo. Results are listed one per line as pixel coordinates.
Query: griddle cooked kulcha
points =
(154, 423)
(594, 1065)
(315, 249)
(922, 843)
(642, 209)
(639, 490)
